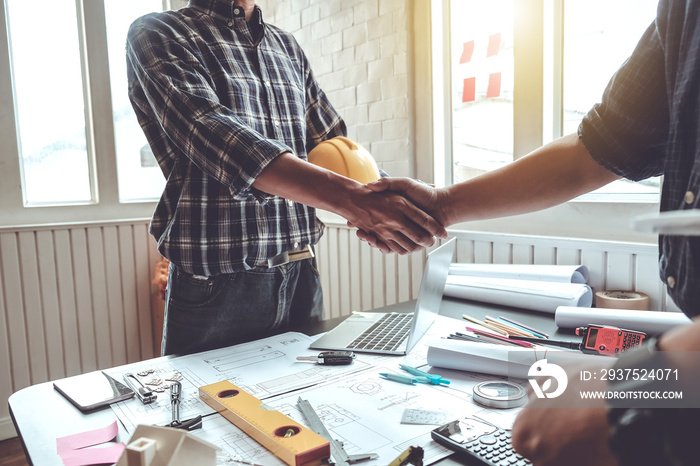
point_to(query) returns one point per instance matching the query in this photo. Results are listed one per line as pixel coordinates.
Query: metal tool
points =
(142, 392)
(330, 358)
(175, 399)
(338, 453)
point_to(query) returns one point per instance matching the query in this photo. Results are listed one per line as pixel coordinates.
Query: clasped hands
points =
(405, 215)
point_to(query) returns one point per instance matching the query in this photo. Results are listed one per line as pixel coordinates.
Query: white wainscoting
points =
(73, 299)
(358, 277)
(76, 298)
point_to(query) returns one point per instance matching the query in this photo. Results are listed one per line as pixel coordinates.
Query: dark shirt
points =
(218, 100)
(648, 124)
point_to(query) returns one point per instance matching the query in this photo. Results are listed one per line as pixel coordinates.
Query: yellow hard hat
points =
(347, 158)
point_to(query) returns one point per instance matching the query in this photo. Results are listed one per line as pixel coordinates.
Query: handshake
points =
(399, 215)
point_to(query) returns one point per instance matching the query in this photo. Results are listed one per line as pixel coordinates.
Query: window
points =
(503, 76)
(139, 176)
(50, 104)
(596, 37)
(482, 86)
(67, 123)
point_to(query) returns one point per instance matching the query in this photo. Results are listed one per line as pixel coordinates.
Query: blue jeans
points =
(203, 313)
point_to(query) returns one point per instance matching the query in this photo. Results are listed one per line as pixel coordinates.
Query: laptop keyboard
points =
(386, 334)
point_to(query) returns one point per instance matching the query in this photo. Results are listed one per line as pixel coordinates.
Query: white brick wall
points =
(359, 53)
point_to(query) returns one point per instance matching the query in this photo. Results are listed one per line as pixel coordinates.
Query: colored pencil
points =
(484, 324)
(524, 326)
(499, 337)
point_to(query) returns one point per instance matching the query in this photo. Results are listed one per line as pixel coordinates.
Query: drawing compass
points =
(338, 454)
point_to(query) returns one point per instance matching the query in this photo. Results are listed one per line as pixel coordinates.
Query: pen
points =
(461, 336)
(524, 326)
(482, 339)
(484, 324)
(499, 337)
(400, 378)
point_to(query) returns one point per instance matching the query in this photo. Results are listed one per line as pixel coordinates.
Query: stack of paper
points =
(535, 287)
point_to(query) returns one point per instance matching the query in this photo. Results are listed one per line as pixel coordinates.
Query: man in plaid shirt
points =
(230, 108)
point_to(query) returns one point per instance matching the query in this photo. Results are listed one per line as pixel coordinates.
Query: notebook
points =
(93, 390)
(395, 332)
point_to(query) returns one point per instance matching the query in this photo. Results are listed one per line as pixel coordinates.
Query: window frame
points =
(592, 216)
(106, 205)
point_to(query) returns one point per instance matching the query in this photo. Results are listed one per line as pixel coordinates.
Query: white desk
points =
(40, 414)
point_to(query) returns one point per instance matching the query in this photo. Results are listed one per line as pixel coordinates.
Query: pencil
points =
(499, 337)
(484, 324)
(480, 339)
(509, 328)
(524, 326)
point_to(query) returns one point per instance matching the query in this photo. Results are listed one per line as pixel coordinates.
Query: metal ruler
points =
(340, 457)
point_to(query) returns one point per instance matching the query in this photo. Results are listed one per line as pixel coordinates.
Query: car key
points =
(330, 358)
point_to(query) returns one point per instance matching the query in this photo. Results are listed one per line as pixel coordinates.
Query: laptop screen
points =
(432, 286)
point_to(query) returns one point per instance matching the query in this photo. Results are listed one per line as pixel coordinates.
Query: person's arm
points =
(552, 432)
(388, 215)
(550, 175)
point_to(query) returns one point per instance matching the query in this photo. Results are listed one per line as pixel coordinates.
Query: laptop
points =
(395, 332)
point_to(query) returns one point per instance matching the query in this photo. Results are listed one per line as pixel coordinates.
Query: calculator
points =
(482, 441)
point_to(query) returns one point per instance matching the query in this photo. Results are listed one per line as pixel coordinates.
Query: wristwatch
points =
(634, 433)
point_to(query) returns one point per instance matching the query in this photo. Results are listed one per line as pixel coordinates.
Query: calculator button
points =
(488, 439)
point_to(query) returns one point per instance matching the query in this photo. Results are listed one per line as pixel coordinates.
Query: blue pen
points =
(400, 378)
(428, 378)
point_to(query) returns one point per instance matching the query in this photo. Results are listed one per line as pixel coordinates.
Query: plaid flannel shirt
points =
(648, 124)
(217, 105)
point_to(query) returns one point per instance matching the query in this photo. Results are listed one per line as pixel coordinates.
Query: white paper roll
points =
(524, 294)
(540, 273)
(653, 322)
(500, 360)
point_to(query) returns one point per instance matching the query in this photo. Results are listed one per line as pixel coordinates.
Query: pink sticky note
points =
(467, 52)
(89, 456)
(469, 90)
(87, 439)
(494, 45)
(494, 89)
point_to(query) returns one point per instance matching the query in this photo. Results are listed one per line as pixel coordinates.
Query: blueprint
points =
(358, 407)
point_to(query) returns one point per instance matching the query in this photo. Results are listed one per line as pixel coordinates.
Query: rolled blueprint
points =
(501, 360)
(653, 322)
(524, 294)
(541, 273)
